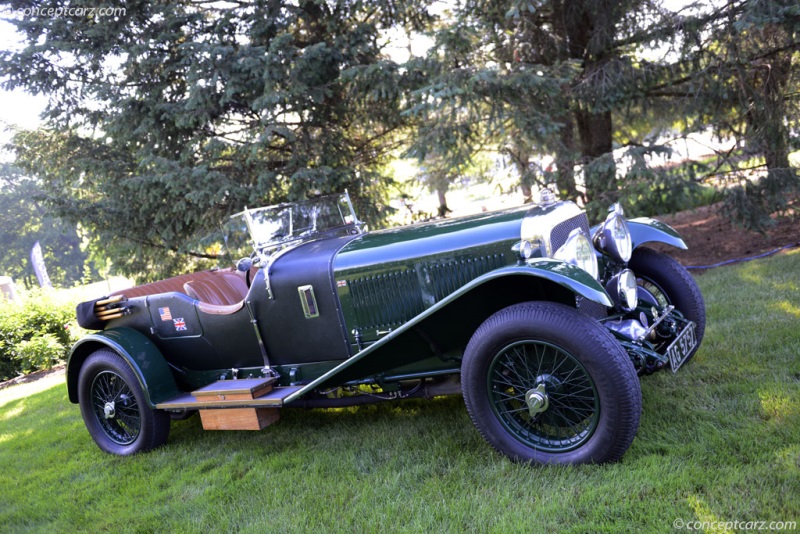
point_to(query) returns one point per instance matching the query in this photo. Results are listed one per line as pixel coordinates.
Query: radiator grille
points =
(558, 237)
(560, 233)
(595, 310)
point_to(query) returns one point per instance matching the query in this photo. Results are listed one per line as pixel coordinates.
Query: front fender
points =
(146, 361)
(450, 321)
(646, 230)
(568, 276)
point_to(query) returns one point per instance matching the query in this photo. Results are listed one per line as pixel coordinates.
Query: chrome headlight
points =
(613, 237)
(578, 251)
(623, 290)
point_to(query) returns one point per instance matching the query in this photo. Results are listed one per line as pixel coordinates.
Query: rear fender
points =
(449, 323)
(144, 359)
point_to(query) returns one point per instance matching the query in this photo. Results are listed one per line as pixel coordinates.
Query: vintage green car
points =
(540, 321)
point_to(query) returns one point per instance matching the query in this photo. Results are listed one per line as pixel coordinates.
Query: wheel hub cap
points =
(537, 400)
(109, 410)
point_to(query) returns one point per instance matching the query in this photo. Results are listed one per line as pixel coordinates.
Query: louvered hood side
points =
(386, 278)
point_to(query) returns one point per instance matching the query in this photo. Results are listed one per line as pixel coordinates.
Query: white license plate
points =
(681, 347)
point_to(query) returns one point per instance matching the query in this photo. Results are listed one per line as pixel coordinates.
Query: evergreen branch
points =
(720, 163)
(176, 250)
(728, 10)
(732, 171)
(717, 68)
(361, 146)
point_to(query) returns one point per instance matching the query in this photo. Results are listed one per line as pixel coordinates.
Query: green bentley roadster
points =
(542, 323)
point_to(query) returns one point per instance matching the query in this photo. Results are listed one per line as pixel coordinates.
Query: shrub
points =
(41, 352)
(35, 334)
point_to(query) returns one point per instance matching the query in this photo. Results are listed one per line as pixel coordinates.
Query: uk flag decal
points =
(179, 323)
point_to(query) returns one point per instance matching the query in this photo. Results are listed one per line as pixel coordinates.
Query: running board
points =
(188, 401)
(247, 404)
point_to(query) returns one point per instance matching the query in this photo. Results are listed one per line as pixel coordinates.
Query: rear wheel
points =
(544, 383)
(114, 407)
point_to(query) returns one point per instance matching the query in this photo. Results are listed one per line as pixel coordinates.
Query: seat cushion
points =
(221, 289)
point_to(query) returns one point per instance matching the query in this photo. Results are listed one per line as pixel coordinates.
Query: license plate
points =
(681, 347)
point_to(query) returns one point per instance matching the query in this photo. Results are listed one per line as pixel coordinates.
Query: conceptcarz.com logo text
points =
(80, 12)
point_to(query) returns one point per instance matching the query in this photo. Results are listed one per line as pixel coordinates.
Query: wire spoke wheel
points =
(654, 289)
(115, 407)
(544, 383)
(573, 406)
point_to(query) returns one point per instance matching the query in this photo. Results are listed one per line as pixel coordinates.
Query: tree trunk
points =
(767, 132)
(521, 159)
(589, 29)
(443, 209)
(595, 131)
(527, 193)
(776, 146)
(565, 161)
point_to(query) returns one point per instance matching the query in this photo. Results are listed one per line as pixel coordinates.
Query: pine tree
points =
(571, 79)
(167, 118)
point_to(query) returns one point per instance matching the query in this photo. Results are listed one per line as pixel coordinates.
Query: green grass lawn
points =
(719, 441)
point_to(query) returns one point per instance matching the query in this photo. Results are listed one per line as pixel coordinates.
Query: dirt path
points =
(54, 373)
(713, 239)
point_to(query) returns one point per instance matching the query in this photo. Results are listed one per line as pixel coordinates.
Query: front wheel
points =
(544, 383)
(114, 407)
(669, 283)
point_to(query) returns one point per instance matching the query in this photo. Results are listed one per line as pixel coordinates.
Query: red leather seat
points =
(214, 287)
(221, 289)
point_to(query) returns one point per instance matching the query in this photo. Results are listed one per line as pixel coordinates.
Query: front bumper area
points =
(654, 339)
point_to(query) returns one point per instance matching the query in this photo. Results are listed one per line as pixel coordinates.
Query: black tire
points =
(670, 283)
(594, 398)
(114, 408)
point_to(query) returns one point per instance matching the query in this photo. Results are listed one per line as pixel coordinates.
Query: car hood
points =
(441, 237)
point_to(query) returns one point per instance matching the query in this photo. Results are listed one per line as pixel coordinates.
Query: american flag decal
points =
(179, 323)
(165, 314)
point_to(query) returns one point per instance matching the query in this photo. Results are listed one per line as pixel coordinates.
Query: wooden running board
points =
(247, 404)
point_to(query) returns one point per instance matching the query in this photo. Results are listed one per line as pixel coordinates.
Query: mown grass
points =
(719, 441)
